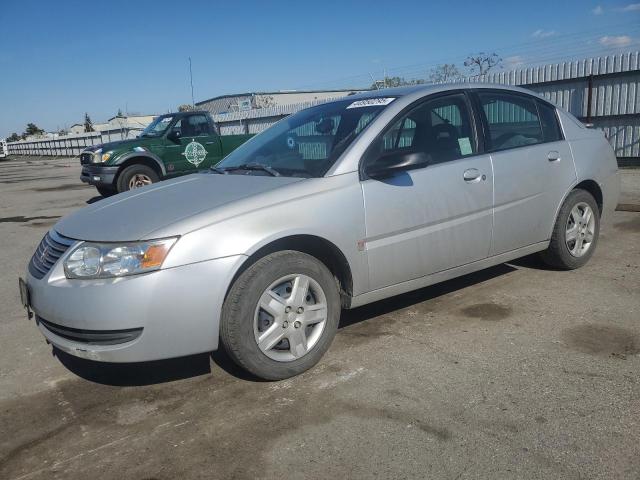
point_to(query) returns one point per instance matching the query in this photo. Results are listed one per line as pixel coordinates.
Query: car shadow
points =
(95, 199)
(136, 374)
(398, 302)
(533, 262)
(163, 371)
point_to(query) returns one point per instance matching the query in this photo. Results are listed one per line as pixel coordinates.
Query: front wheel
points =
(281, 315)
(575, 233)
(136, 176)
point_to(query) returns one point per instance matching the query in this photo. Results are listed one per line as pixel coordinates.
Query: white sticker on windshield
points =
(371, 102)
(465, 146)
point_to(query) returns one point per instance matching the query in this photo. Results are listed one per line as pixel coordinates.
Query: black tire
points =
(130, 172)
(106, 191)
(558, 254)
(237, 322)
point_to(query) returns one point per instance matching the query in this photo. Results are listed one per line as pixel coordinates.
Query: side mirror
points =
(393, 162)
(174, 135)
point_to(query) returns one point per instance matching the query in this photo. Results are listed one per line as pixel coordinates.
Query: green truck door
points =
(198, 146)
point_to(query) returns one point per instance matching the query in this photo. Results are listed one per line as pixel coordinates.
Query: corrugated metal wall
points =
(614, 82)
(70, 145)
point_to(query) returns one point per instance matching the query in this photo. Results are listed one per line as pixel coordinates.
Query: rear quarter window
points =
(549, 120)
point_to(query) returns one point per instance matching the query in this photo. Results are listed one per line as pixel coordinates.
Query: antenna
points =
(193, 103)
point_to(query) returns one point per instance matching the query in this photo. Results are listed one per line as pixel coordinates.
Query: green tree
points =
(88, 124)
(119, 114)
(14, 137)
(447, 72)
(33, 129)
(389, 82)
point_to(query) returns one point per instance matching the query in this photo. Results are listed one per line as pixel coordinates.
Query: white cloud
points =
(514, 61)
(613, 41)
(543, 33)
(598, 10)
(632, 7)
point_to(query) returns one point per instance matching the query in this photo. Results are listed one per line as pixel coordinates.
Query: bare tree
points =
(447, 72)
(481, 63)
(185, 107)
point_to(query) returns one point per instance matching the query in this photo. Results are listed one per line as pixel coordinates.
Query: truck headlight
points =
(108, 260)
(97, 156)
(106, 156)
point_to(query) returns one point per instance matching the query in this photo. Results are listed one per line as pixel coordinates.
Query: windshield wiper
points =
(219, 170)
(251, 166)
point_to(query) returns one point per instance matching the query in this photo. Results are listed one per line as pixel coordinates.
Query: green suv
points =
(173, 144)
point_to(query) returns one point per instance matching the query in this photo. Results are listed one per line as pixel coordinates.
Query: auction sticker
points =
(371, 102)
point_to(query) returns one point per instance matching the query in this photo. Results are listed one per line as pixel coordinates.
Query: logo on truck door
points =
(195, 153)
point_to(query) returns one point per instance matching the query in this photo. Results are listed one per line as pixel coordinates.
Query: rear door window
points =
(512, 120)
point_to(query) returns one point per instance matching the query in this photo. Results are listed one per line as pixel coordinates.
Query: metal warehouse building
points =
(249, 101)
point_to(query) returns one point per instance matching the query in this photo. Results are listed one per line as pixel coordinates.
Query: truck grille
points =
(51, 248)
(86, 158)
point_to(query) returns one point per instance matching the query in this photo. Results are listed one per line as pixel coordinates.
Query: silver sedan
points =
(334, 207)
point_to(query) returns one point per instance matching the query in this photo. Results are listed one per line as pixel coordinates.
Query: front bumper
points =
(99, 175)
(163, 314)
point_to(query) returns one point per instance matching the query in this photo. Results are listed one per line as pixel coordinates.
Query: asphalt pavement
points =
(514, 372)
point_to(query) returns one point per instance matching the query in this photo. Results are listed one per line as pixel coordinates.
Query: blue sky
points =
(60, 59)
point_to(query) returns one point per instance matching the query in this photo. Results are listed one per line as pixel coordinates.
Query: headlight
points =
(106, 156)
(97, 155)
(107, 260)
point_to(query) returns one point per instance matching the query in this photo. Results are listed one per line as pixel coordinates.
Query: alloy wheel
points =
(139, 180)
(580, 229)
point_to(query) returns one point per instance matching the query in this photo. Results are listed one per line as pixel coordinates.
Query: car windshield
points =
(157, 127)
(305, 144)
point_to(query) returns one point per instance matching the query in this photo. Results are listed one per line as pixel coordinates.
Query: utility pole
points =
(193, 103)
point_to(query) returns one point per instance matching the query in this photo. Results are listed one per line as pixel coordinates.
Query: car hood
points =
(135, 214)
(124, 145)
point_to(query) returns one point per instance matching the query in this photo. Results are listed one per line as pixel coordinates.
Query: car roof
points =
(182, 114)
(433, 88)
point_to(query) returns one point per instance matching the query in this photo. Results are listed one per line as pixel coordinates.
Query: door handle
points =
(553, 156)
(472, 175)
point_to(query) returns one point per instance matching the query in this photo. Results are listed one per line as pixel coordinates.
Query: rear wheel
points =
(136, 176)
(575, 233)
(281, 315)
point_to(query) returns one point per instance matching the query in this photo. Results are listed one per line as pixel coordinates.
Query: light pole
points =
(193, 103)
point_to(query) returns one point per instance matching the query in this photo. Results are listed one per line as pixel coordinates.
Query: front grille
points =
(91, 337)
(51, 248)
(86, 158)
